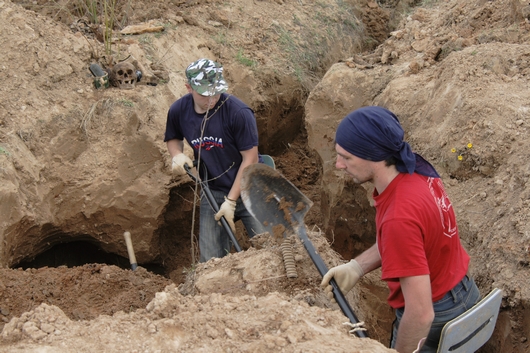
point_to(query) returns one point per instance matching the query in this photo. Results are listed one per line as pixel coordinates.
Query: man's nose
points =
(339, 164)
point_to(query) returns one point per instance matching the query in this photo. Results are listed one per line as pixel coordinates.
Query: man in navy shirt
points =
(223, 134)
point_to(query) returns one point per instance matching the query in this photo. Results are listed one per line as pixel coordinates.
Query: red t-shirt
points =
(417, 235)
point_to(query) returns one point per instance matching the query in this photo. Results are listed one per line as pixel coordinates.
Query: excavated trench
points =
(348, 224)
(349, 227)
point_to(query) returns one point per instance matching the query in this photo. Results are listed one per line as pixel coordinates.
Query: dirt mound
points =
(82, 293)
(242, 302)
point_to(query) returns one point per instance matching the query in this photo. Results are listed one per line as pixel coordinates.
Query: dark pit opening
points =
(79, 253)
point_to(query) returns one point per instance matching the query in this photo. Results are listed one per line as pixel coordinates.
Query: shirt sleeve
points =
(245, 129)
(173, 130)
(402, 250)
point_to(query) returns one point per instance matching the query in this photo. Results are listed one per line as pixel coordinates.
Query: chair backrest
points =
(469, 331)
(268, 161)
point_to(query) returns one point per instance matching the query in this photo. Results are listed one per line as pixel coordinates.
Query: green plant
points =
(101, 12)
(109, 10)
(89, 8)
(298, 73)
(244, 60)
(166, 26)
(286, 40)
(126, 102)
(145, 39)
(4, 151)
(308, 52)
(125, 14)
(305, 53)
(220, 38)
(428, 3)
(297, 21)
(322, 4)
(350, 23)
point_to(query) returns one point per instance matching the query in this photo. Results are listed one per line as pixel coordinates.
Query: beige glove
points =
(177, 164)
(227, 209)
(345, 275)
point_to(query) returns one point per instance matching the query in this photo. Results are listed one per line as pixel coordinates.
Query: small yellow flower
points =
(460, 157)
(453, 150)
(469, 145)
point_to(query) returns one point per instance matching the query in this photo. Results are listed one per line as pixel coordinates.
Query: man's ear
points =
(188, 87)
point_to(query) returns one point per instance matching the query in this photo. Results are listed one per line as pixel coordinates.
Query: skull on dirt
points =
(123, 75)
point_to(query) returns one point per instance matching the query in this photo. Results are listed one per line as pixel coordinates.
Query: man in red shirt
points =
(417, 243)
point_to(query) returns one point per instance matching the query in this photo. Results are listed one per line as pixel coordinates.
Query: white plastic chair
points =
(471, 330)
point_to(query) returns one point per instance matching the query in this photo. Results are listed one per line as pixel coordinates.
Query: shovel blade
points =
(281, 207)
(273, 200)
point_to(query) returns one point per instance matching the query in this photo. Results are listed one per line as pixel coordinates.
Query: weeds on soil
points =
(4, 151)
(97, 12)
(109, 7)
(126, 102)
(241, 58)
(309, 52)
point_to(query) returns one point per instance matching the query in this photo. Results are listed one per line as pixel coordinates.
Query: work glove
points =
(178, 162)
(345, 276)
(227, 209)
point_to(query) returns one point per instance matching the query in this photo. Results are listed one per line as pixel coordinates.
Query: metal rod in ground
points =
(130, 250)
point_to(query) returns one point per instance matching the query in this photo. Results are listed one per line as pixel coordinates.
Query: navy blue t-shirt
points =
(230, 130)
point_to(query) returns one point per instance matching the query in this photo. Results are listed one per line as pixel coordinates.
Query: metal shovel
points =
(212, 202)
(281, 207)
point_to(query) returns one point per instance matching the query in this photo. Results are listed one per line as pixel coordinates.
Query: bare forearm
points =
(235, 191)
(411, 331)
(369, 260)
(248, 159)
(175, 147)
(419, 312)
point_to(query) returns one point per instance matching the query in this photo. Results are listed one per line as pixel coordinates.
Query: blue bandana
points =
(374, 134)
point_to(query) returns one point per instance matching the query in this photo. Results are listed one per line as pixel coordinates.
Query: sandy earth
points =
(80, 166)
(243, 302)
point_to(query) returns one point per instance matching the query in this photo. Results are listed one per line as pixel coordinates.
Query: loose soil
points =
(80, 166)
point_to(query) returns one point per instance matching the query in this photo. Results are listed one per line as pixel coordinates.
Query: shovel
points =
(281, 208)
(212, 202)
